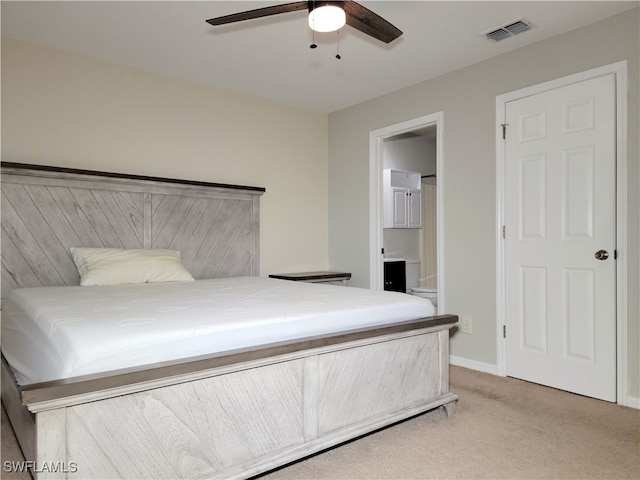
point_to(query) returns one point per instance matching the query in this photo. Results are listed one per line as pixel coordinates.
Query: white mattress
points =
(61, 332)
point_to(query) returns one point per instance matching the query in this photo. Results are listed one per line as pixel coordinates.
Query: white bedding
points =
(61, 332)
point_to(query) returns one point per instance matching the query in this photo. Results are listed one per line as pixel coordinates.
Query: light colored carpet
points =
(503, 429)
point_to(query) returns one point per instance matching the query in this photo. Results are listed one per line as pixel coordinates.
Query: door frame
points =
(620, 71)
(376, 139)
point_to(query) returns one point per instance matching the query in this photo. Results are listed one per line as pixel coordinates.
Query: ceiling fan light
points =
(327, 18)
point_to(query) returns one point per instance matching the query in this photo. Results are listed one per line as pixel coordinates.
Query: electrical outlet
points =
(465, 325)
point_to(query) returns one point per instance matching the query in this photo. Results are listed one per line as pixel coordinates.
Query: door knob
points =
(601, 255)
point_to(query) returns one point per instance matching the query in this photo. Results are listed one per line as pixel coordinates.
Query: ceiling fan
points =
(325, 16)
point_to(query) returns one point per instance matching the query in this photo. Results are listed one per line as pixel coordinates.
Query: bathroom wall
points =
(413, 152)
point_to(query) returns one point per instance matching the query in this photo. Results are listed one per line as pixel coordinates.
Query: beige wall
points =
(467, 99)
(67, 110)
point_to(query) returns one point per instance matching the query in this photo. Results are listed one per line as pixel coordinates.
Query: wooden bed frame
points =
(230, 415)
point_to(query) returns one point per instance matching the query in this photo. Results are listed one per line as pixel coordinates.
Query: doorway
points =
(431, 125)
(560, 301)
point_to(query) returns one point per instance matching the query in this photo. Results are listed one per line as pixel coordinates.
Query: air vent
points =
(508, 30)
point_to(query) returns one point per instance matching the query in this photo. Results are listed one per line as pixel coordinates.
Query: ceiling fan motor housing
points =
(326, 16)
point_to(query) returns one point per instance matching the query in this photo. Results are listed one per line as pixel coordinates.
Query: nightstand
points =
(334, 278)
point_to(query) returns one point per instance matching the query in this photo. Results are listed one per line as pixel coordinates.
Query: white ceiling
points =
(271, 58)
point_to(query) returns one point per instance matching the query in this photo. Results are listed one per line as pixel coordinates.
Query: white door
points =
(415, 208)
(400, 218)
(560, 212)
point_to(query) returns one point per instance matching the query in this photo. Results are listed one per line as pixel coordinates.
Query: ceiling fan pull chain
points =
(313, 39)
(338, 46)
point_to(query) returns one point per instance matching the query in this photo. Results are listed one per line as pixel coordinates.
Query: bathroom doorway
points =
(414, 146)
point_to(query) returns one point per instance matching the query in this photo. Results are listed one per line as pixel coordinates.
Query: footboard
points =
(238, 415)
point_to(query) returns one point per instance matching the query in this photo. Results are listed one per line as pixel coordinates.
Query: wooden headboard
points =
(47, 210)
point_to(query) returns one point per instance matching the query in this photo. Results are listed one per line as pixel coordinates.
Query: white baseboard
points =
(632, 402)
(473, 365)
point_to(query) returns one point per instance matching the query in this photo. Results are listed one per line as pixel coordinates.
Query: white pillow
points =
(117, 266)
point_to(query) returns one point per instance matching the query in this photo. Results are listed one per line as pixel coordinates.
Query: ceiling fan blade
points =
(258, 13)
(363, 19)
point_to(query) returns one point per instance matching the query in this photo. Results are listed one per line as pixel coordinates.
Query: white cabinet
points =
(402, 199)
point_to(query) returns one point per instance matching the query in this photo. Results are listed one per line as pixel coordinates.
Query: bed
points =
(320, 364)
